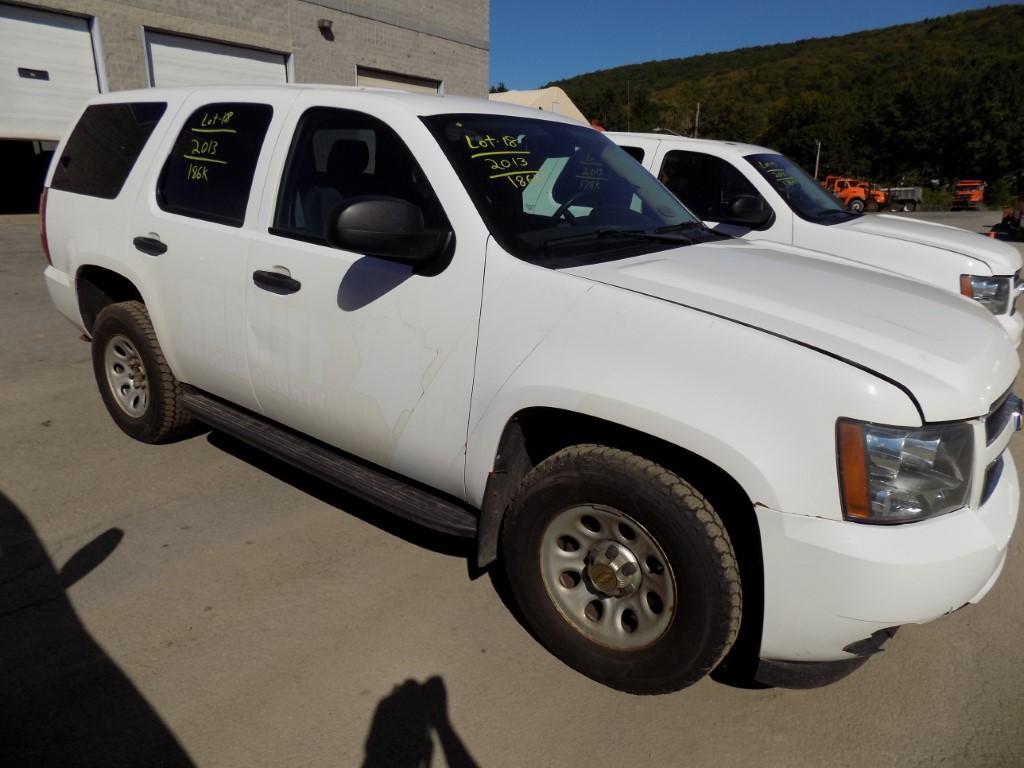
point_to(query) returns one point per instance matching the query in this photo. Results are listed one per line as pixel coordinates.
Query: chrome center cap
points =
(612, 570)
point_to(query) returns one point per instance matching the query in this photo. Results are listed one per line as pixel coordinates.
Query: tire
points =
(592, 610)
(856, 205)
(125, 354)
(909, 206)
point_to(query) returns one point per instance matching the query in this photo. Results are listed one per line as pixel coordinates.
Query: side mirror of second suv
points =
(749, 211)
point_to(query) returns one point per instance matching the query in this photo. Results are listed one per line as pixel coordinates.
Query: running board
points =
(374, 485)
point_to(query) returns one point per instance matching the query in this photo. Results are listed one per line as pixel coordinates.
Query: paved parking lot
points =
(200, 604)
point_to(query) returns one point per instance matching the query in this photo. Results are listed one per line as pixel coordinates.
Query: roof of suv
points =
(729, 146)
(418, 103)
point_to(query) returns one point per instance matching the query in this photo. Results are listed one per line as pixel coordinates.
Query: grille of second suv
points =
(1000, 414)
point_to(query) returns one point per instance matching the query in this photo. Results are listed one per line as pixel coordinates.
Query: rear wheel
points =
(622, 569)
(909, 206)
(135, 382)
(856, 205)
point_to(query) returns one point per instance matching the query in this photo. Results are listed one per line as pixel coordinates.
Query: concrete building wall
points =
(445, 40)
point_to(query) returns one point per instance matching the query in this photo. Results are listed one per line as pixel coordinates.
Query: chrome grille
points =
(992, 475)
(1001, 413)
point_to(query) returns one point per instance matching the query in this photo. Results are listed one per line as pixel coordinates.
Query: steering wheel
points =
(562, 212)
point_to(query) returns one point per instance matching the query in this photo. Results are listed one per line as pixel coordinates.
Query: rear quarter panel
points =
(83, 230)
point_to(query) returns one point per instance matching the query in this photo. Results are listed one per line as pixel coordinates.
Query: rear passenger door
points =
(193, 224)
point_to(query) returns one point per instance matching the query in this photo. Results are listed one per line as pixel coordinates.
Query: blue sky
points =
(536, 41)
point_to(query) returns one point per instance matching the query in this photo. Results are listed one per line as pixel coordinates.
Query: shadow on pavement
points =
(63, 701)
(405, 724)
(736, 671)
(376, 516)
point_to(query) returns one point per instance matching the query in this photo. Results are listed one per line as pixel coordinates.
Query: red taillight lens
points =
(42, 227)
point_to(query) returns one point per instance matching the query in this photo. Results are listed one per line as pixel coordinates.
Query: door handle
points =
(150, 245)
(275, 282)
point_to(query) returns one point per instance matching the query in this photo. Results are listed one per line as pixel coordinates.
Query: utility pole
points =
(627, 106)
(817, 160)
(696, 121)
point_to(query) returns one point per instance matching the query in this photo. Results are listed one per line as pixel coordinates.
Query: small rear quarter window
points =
(103, 147)
(637, 153)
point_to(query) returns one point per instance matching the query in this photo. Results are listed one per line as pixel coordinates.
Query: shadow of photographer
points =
(404, 727)
(64, 701)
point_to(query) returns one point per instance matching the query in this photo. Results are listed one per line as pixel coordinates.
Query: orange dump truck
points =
(855, 195)
(968, 193)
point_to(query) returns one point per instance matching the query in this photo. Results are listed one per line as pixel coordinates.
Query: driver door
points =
(708, 185)
(372, 356)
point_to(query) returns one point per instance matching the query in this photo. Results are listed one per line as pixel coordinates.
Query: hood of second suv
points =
(1002, 258)
(951, 354)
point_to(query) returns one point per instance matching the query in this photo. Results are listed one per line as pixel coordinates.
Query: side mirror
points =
(749, 211)
(386, 227)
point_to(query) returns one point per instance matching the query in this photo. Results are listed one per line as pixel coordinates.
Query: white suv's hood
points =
(1002, 258)
(951, 354)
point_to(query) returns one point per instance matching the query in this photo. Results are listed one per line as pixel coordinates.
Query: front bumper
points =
(829, 584)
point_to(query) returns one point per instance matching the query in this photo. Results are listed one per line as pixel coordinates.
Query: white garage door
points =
(47, 70)
(376, 78)
(175, 60)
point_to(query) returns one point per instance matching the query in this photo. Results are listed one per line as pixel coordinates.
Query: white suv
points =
(689, 451)
(756, 193)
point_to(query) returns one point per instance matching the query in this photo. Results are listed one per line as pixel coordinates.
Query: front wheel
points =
(856, 205)
(622, 569)
(135, 382)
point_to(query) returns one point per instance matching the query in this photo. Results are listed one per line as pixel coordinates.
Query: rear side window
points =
(637, 153)
(209, 171)
(104, 146)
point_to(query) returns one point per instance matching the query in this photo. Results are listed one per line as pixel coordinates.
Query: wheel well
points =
(536, 433)
(97, 287)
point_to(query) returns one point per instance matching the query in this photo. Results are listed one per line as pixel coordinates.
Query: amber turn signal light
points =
(853, 470)
(966, 286)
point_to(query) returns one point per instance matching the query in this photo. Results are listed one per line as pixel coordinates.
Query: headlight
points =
(993, 293)
(899, 474)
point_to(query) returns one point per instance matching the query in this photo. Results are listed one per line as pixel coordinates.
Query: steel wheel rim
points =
(126, 376)
(600, 596)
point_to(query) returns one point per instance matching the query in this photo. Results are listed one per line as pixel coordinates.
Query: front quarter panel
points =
(760, 407)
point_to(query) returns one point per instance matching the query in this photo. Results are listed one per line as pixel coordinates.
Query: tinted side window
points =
(338, 154)
(637, 153)
(104, 146)
(209, 171)
(707, 185)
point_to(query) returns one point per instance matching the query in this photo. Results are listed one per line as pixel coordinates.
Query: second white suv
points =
(755, 193)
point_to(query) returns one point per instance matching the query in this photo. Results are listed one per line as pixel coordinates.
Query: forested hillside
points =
(938, 98)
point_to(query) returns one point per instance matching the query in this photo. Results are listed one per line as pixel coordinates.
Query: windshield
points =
(800, 192)
(542, 186)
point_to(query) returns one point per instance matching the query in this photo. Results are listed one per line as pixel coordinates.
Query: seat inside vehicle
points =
(338, 156)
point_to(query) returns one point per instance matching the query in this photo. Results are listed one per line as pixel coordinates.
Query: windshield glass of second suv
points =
(803, 194)
(544, 187)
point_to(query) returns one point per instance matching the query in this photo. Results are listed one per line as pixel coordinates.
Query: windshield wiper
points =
(683, 226)
(638, 234)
